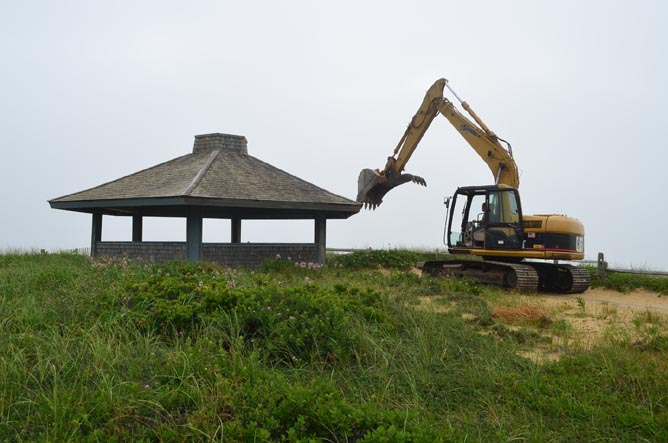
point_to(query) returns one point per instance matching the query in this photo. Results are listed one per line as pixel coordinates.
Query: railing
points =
(603, 269)
(79, 251)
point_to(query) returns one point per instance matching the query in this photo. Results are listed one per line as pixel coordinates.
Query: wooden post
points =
(96, 232)
(194, 237)
(137, 228)
(602, 267)
(320, 239)
(236, 230)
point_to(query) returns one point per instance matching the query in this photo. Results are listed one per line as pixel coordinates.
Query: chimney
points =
(207, 143)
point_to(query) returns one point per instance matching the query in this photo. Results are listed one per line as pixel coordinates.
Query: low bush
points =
(627, 282)
(289, 324)
(280, 409)
(376, 258)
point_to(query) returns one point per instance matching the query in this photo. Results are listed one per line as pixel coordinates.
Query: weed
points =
(608, 310)
(651, 317)
(562, 328)
(521, 336)
(653, 343)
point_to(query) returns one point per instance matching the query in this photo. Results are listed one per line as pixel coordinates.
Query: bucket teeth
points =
(419, 180)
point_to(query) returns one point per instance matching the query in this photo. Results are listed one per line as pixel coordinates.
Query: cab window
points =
(503, 207)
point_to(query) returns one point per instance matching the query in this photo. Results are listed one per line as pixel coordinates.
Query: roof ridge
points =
(202, 172)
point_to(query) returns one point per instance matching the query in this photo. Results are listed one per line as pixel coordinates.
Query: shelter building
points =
(218, 180)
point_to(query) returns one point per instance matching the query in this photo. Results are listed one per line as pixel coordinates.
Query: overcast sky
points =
(92, 91)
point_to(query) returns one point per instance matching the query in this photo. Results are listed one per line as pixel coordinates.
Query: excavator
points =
(485, 225)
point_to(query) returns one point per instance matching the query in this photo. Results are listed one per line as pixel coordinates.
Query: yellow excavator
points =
(486, 221)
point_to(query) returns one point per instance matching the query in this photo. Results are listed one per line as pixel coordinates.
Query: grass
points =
(622, 282)
(111, 350)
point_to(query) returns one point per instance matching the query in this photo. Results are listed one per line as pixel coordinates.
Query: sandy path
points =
(637, 299)
(590, 317)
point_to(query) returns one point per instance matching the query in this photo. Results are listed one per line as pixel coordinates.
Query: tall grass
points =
(118, 351)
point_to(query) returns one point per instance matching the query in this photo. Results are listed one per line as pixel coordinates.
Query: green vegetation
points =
(627, 282)
(110, 350)
(376, 258)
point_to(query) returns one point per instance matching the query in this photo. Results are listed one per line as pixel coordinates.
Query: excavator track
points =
(563, 279)
(581, 280)
(520, 277)
(524, 277)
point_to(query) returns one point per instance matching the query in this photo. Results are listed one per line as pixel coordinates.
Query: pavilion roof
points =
(219, 178)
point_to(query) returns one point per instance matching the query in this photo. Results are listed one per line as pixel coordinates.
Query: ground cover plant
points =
(114, 350)
(627, 282)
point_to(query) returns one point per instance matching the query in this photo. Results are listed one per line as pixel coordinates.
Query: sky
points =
(93, 91)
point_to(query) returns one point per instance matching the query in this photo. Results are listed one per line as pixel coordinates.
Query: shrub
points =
(627, 282)
(378, 258)
(284, 410)
(290, 325)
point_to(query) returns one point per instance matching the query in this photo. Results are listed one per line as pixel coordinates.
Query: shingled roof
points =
(218, 177)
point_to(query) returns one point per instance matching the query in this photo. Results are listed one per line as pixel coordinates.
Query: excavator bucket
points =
(372, 187)
(370, 191)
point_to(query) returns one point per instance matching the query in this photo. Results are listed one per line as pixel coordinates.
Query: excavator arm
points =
(374, 184)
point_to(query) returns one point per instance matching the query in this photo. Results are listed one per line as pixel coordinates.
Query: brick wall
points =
(227, 254)
(252, 254)
(157, 251)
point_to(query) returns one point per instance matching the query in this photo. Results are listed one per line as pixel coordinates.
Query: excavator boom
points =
(374, 184)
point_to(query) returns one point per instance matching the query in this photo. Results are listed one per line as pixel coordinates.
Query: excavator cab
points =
(484, 217)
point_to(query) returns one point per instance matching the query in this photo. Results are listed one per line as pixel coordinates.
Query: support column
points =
(194, 237)
(96, 233)
(320, 239)
(137, 228)
(236, 230)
